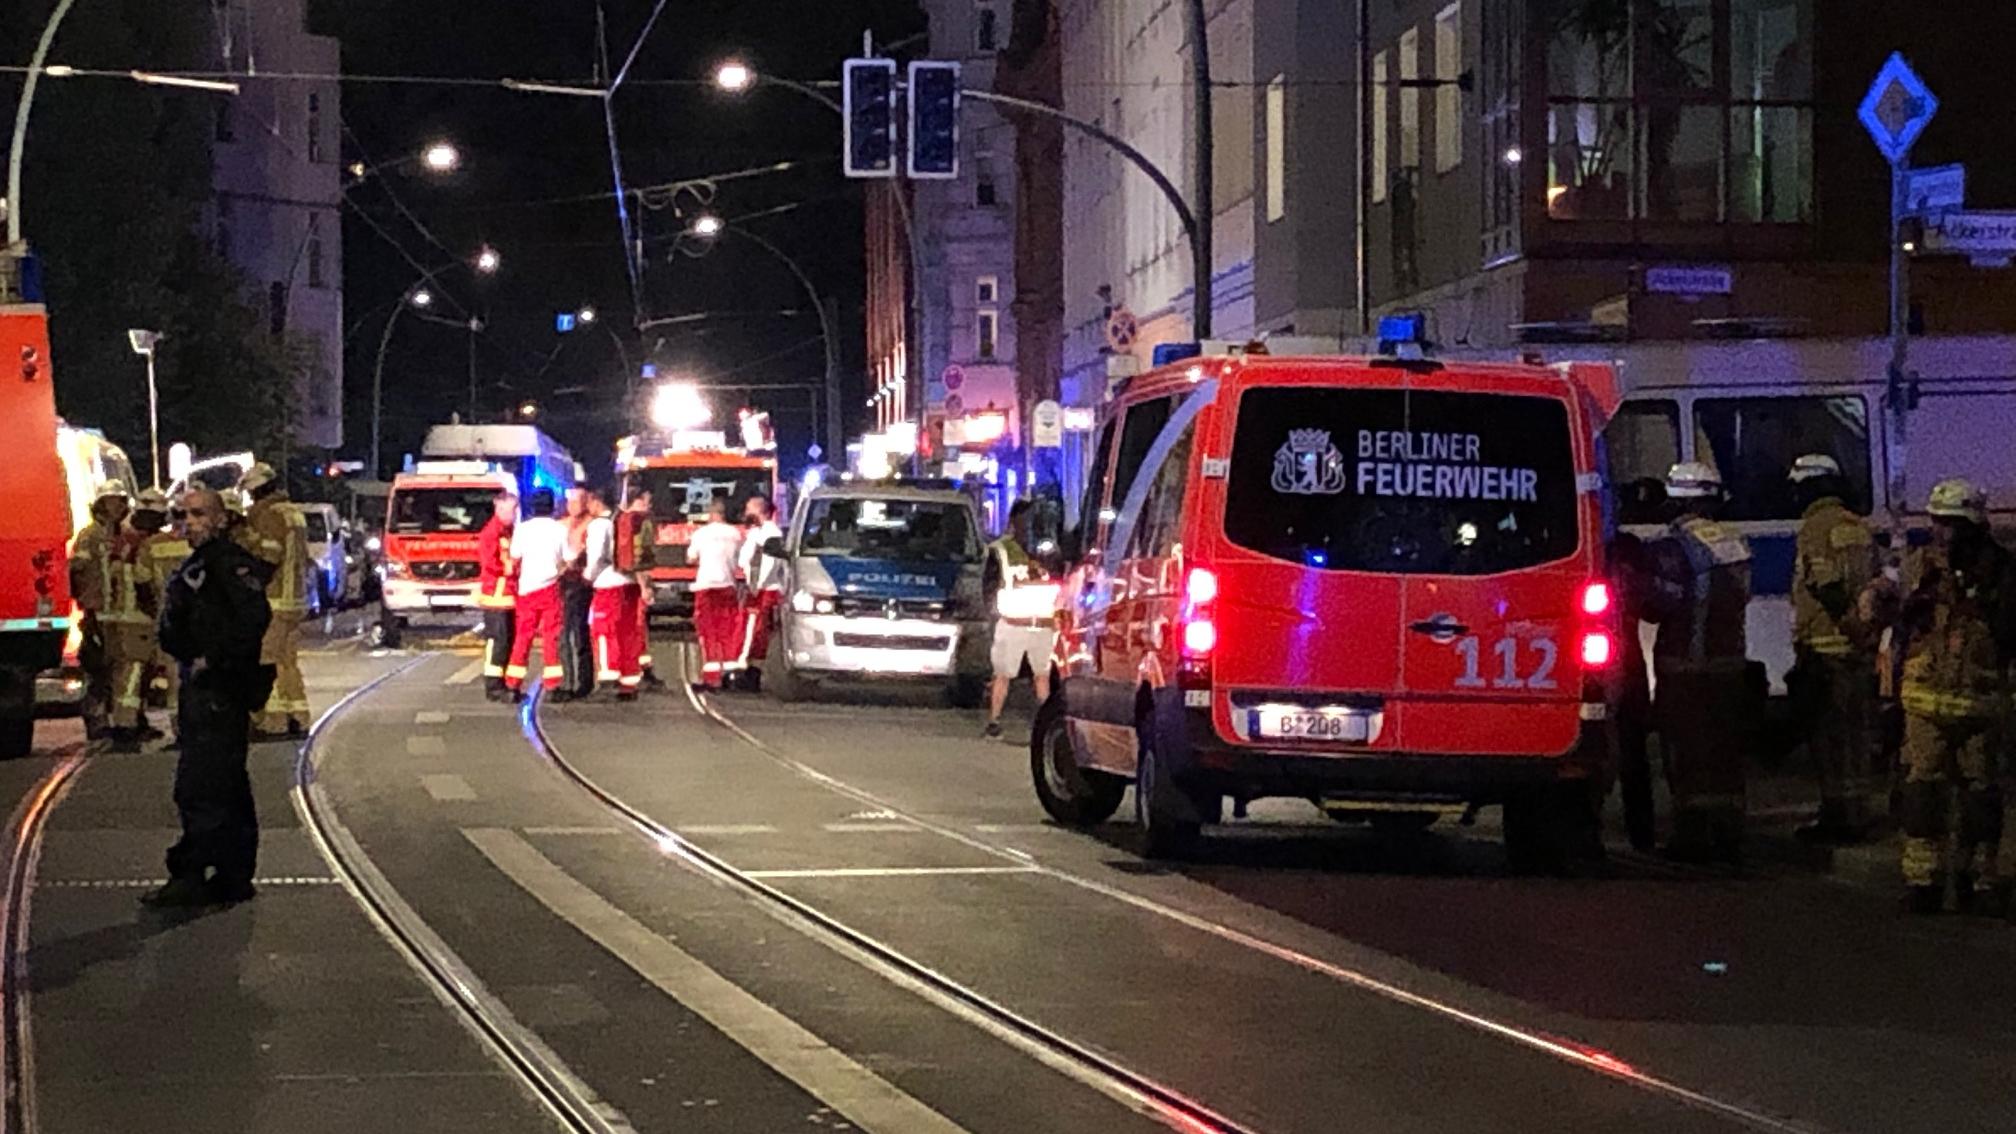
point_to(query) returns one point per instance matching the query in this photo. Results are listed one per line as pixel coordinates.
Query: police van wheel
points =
(1170, 825)
(1073, 796)
(785, 682)
(966, 692)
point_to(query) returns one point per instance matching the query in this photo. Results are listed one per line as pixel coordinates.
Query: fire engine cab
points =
(1375, 583)
(683, 471)
(432, 520)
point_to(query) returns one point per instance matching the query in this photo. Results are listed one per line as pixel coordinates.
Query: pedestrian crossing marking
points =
(703, 829)
(430, 716)
(467, 674)
(571, 830)
(869, 828)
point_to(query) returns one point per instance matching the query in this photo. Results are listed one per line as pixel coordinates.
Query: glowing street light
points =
(441, 157)
(678, 405)
(422, 298)
(488, 261)
(585, 315)
(706, 226)
(734, 76)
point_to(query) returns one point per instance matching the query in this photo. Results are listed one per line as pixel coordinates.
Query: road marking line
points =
(823, 1071)
(865, 828)
(572, 831)
(1012, 828)
(729, 829)
(430, 716)
(151, 883)
(426, 746)
(447, 788)
(887, 871)
(466, 674)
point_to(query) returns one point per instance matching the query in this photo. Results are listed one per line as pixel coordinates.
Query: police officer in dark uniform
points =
(213, 619)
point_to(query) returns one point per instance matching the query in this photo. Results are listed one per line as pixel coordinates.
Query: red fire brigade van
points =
(682, 476)
(1374, 583)
(433, 518)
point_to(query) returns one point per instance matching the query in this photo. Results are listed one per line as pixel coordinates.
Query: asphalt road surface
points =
(725, 913)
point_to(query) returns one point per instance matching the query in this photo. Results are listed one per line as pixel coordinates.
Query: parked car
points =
(328, 565)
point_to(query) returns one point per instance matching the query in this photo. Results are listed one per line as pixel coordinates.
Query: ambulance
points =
(34, 563)
(683, 471)
(1374, 583)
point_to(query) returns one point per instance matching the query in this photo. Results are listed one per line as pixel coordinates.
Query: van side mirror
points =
(774, 547)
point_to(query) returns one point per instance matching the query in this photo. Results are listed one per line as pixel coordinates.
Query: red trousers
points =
(538, 616)
(756, 620)
(717, 618)
(615, 629)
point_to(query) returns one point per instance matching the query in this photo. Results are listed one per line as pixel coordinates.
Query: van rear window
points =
(1409, 483)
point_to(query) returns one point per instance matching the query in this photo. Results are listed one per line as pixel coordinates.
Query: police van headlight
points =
(805, 602)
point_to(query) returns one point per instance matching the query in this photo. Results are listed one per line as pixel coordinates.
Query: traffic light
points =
(934, 119)
(868, 108)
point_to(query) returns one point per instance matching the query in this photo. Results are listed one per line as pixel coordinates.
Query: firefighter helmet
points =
(1813, 466)
(151, 500)
(257, 477)
(110, 490)
(1958, 499)
(1692, 480)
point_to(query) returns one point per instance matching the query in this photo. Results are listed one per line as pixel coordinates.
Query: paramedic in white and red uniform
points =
(717, 603)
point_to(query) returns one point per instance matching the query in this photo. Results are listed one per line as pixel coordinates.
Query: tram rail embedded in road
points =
(24, 850)
(1180, 1114)
(569, 1101)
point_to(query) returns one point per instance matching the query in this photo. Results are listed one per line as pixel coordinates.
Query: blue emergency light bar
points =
(1404, 335)
(1166, 353)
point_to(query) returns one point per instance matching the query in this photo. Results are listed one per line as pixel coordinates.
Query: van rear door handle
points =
(1440, 626)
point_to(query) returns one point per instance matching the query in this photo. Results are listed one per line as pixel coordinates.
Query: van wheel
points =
(1074, 796)
(1551, 829)
(784, 681)
(1171, 827)
(386, 632)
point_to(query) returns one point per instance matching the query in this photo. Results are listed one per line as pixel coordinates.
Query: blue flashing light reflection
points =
(1316, 557)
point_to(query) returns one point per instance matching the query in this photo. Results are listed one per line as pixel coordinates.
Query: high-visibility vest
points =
(1025, 594)
(275, 532)
(1837, 553)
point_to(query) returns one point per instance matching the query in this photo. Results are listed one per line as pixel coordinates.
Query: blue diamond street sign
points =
(1896, 109)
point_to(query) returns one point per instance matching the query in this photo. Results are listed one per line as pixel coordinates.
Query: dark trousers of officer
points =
(220, 827)
(1839, 695)
(500, 629)
(1702, 713)
(1634, 763)
(577, 651)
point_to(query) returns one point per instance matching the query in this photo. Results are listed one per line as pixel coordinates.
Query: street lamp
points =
(734, 76)
(144, 342)
(421, 298)
(441, 157)
(488, 261)
(707, 226)
(679, 405)
(586, 315)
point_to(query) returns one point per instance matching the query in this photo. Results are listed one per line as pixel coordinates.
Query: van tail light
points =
(1598, 649)
(1596, 599)
(1199, 628)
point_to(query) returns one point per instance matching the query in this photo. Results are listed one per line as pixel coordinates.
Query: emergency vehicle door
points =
(1152, 468)
(1480, 496)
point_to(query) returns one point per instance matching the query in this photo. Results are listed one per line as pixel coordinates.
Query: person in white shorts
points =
(1025, 626)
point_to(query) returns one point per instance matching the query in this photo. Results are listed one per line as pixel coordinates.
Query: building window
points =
(1277, 148)
(315, 128)
(1410, 100)
(986, 29)
(1680, 110)
(316, 279)
(1380, 141)
(985, 194)
(276, 308)
(987, 289)
(1501, 150)
(1448, 97)
(227, 124)
(987, 329)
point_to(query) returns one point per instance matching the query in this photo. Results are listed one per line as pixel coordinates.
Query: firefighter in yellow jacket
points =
(275, 532)
(1958, 597)
(162, 550)
(118, 631)
(1834, 563)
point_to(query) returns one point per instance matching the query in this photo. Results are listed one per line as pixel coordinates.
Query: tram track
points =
(1103, 1072)
(571, 1104)
(24, 848)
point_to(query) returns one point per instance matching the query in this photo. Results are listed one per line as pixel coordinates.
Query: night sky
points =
(523, 151)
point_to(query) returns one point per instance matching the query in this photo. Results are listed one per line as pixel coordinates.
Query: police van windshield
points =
(929, 530)
(681, 495)
(1420, 483)
(417, 510)
(318, 526)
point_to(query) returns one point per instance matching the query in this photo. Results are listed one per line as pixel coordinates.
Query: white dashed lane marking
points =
(448, 788)
(887, 871)
(466, 674)
(430, 716)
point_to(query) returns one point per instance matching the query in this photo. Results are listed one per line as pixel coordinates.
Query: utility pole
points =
(1200, 84)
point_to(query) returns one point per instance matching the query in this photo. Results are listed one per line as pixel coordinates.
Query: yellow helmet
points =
(1958, 499)
(151, 500)
(111, 490)
(257, 477)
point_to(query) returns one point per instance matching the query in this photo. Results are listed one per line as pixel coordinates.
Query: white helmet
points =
(1813, 466)
(1692, 480)
(111, 490)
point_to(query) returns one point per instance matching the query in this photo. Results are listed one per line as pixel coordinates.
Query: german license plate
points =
(1341, 725)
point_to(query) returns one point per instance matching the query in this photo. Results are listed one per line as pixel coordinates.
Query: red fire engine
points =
(683, 472)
